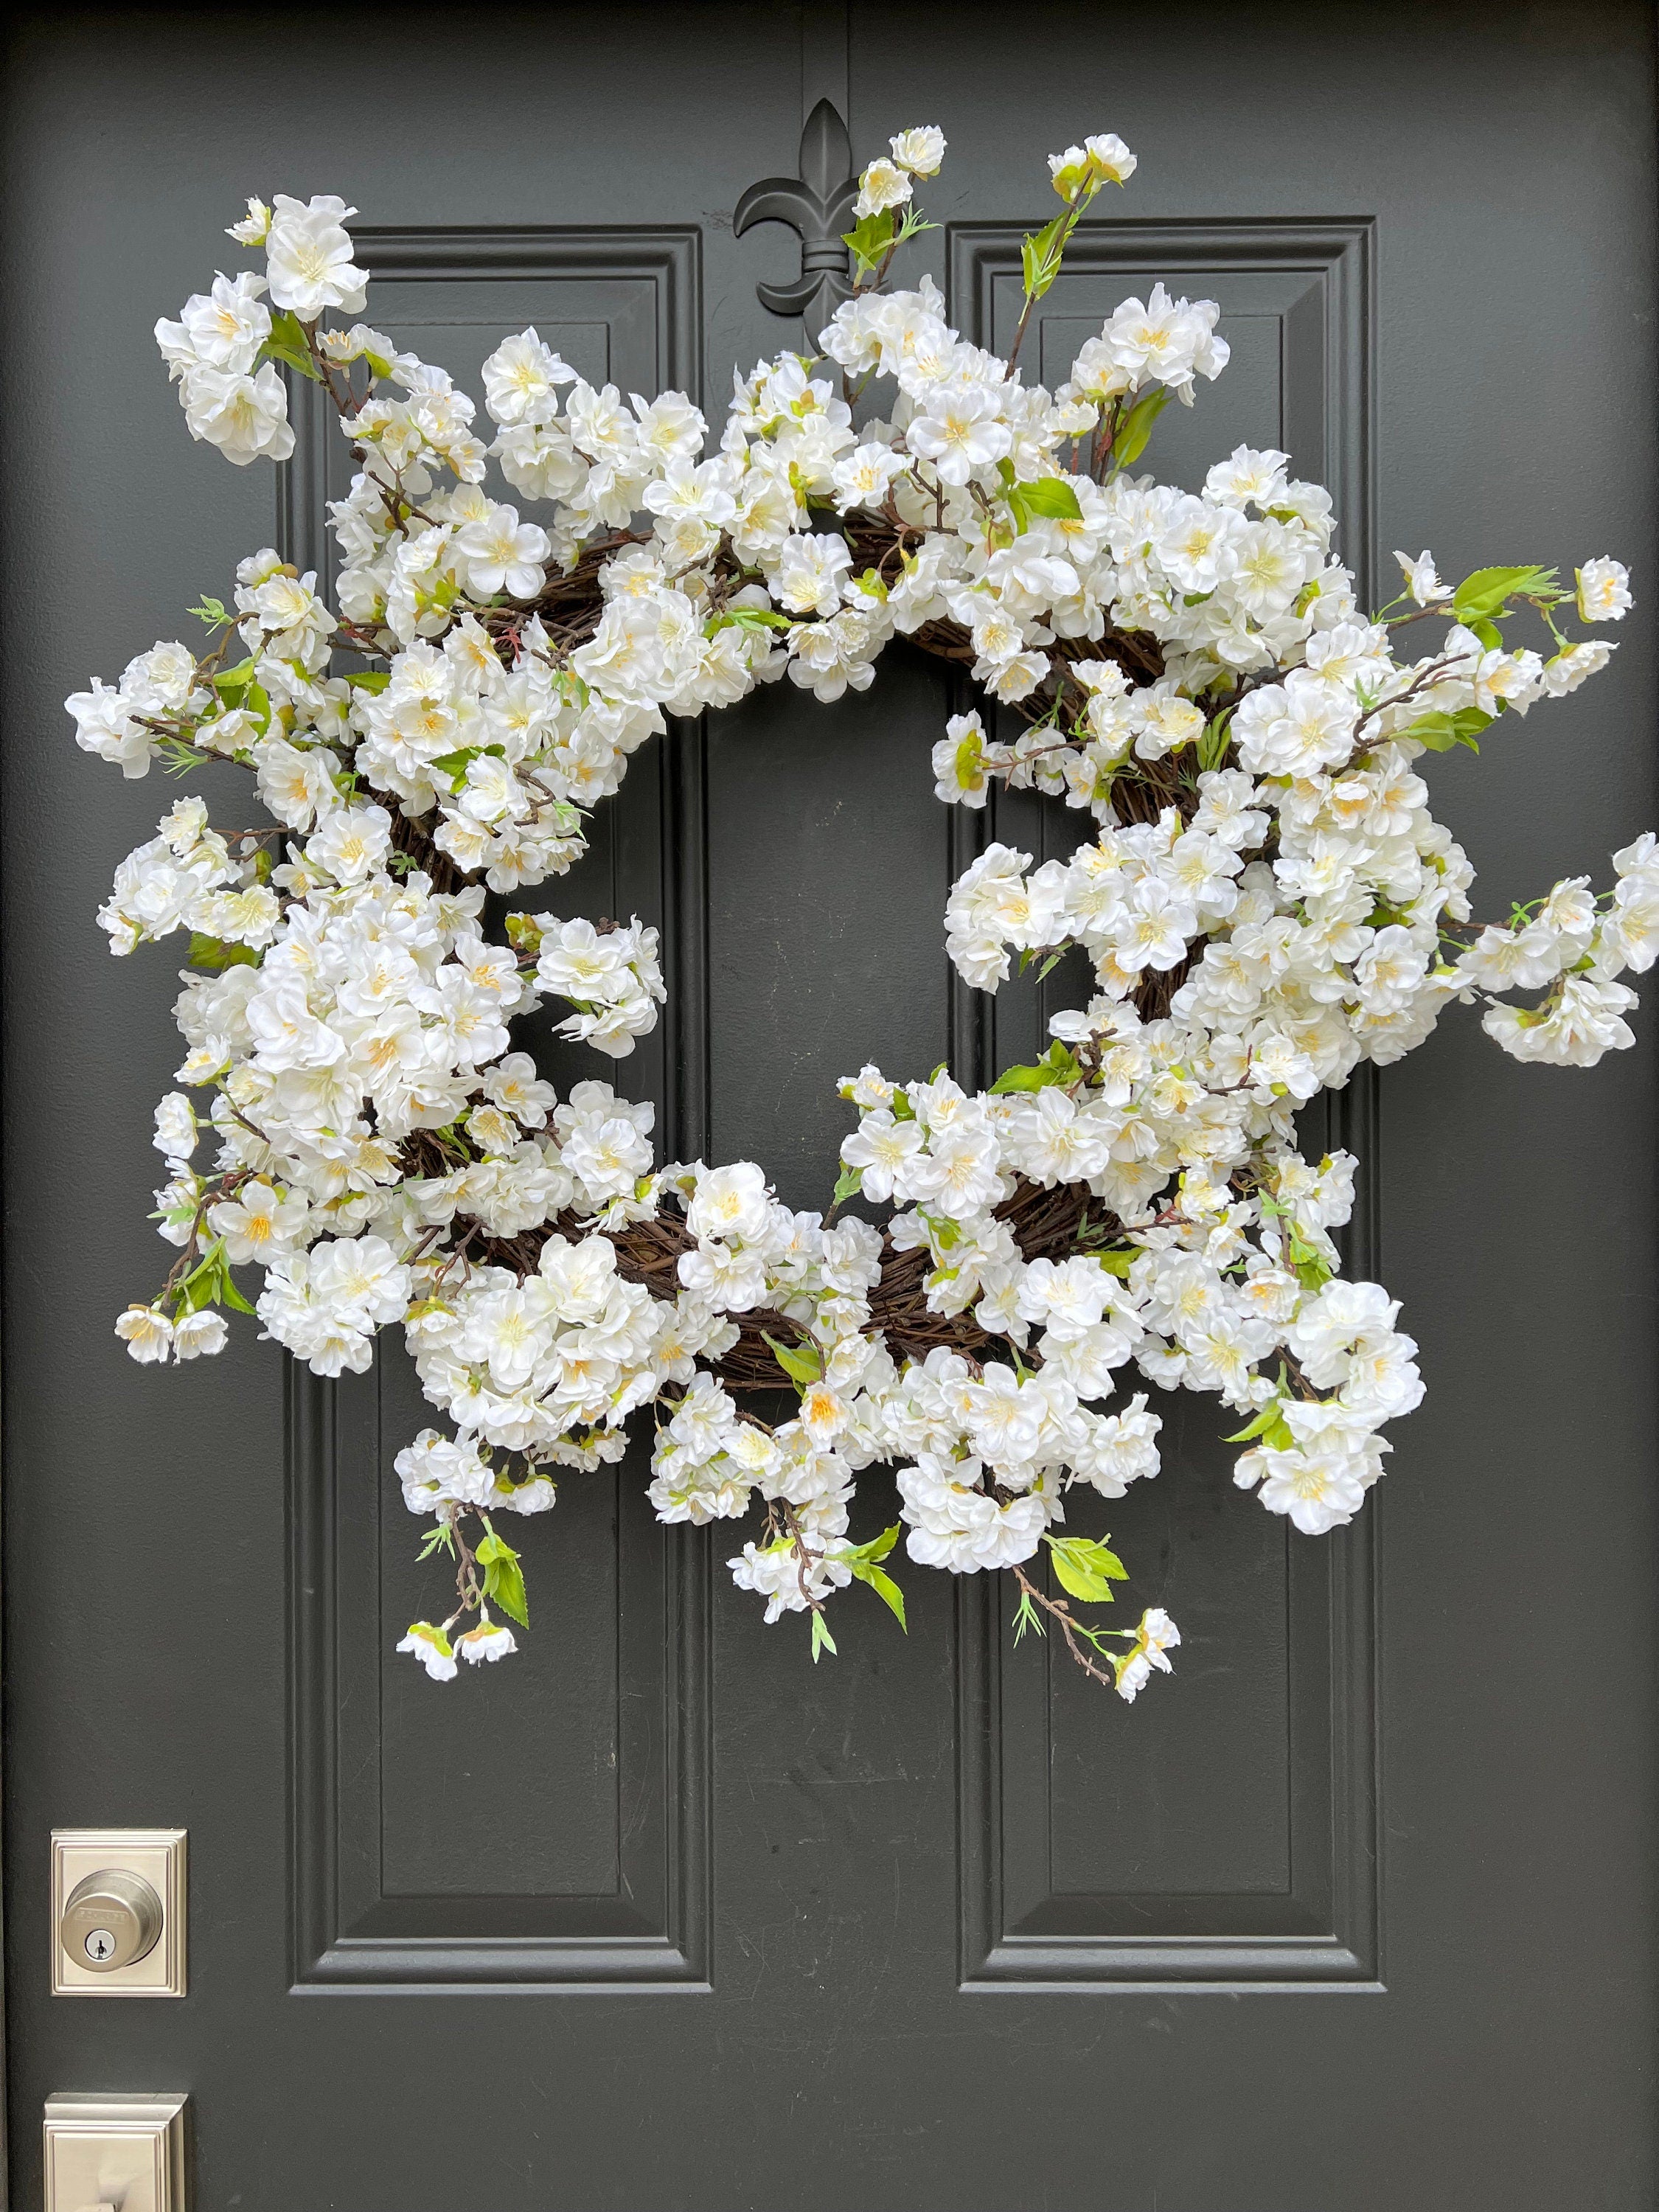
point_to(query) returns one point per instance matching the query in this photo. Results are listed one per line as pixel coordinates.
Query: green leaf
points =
(848, 1183)
(207, 1282)
(212, 955)
(178, 757)
(231, 683)
(1040, 255)
(1270, 1426)
(1084, 1569)
(868, 241)
(503, 1578)
(887, 1590)
(370, 680)
(1440, 732)
(821, 1639)
(211, 612)
(287, 343)
(1213, 745)
(1050, 495)
(1119, 1263)
(504, 1586)
(1483, 594)
(455, 765)
(1058, 1065)
(1136, 427)
(746, 618)
(804, 1367)
(1027, 1617)
(257, 701)
(875, 1551)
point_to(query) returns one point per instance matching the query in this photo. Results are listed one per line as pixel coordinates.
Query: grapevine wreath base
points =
(1262, 893)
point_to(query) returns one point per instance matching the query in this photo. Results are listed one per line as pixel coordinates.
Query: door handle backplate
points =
(126, 2152)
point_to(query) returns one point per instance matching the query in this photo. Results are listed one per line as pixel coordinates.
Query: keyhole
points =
(100, 1945)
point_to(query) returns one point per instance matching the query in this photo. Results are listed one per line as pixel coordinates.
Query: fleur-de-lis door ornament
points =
(818, 205)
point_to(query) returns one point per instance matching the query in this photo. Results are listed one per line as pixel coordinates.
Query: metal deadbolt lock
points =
(110, 1918)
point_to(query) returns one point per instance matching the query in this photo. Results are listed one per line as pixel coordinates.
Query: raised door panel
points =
(1233, 1843)
(550, 1828)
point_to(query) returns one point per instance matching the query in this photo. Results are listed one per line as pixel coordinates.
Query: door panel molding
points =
(1019, 1932)
(1304, 1911)
(651, 1930)
(632, 297)
(643, 285)
(1328, 347)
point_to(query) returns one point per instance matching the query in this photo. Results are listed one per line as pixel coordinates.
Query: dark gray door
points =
(1358, 1912)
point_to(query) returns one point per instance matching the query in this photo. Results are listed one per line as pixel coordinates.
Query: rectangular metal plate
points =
(157, 1854)
(125, 2151)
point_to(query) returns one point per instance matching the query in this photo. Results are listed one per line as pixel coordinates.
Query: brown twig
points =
(1057, 1609)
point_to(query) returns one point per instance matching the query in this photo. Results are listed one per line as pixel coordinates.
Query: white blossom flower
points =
(521, 381)
(203, 1331)
(1156, 1636)
(257, 1223)
(884, 185)
(309, 257)
(490, 1640)
(175, 1127)
(1422, 579)
(502, 554)
(254, 227)
(432, 1647)
(1103, 158)
(245, 417)
(960, 431)
(146, 1331)
(222, 328)
(919, 149)
(1604, 591)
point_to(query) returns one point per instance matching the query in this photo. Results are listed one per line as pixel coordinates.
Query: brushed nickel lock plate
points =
(118, 1913)
(124, 2153)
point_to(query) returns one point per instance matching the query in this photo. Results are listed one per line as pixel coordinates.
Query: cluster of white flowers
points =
(610, 975)
(222, 350)
(342, 1014)
(1220, 1257)
(1263, 894)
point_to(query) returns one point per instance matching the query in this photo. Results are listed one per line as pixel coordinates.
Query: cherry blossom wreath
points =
(1265, 899)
